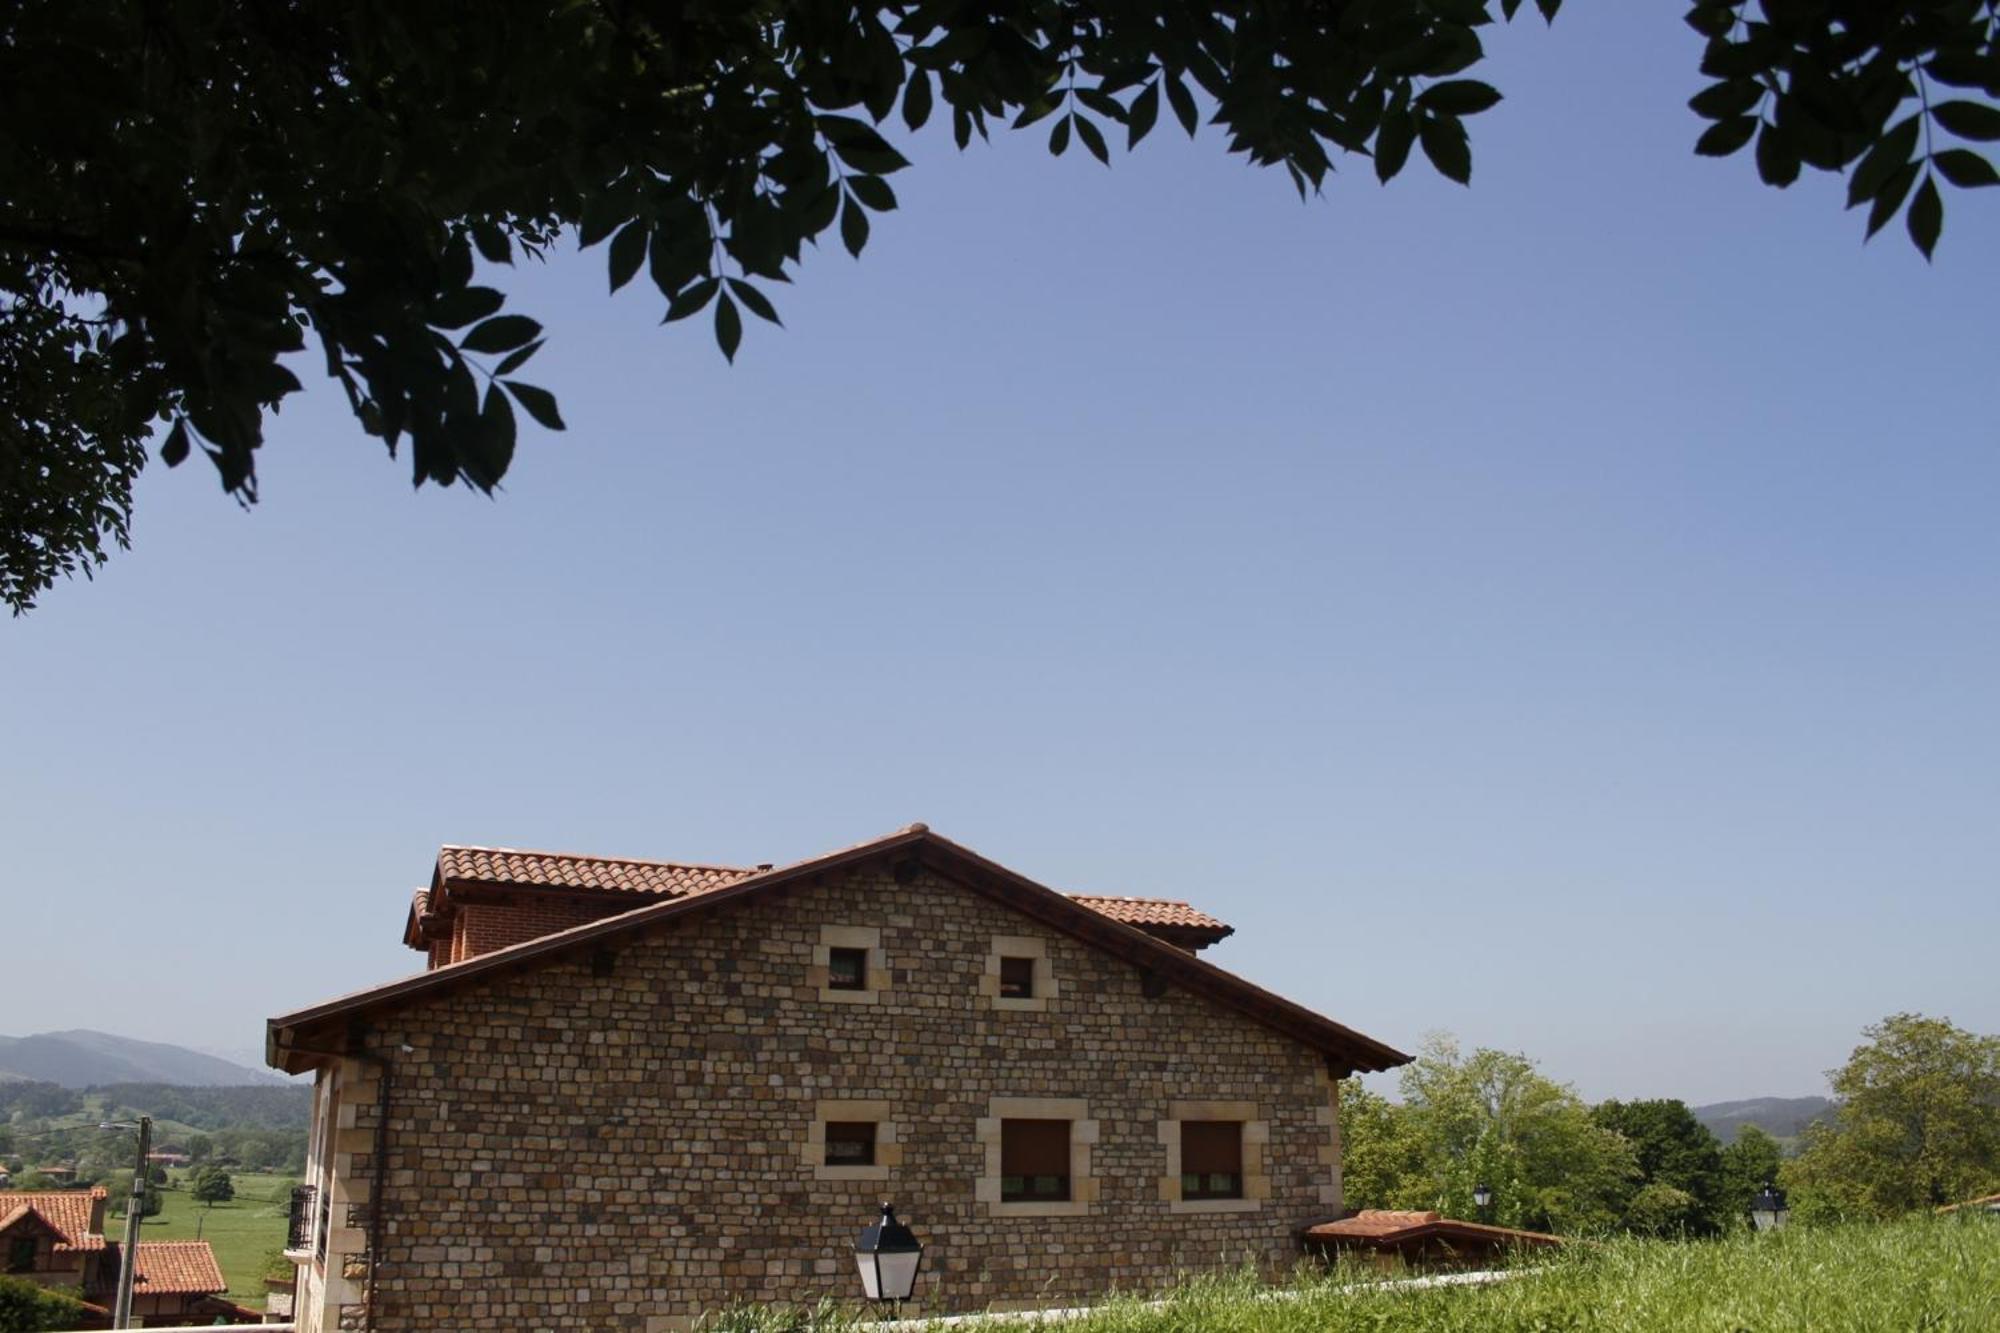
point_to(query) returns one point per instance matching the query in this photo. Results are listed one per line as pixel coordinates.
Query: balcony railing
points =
(299, 1225)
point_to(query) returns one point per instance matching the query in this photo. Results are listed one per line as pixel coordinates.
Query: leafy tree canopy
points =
(211, 1185)
(1680, 1167)
(1485, 1117)
(1749, 1163)
(195, 191)
(26, 1307)
(1916, 1124)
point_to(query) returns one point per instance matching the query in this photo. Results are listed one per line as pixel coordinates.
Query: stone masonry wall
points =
(573, 1150)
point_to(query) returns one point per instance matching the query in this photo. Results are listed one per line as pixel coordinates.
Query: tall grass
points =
(1926, 1275)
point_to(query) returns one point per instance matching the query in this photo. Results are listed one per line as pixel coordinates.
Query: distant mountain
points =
(1780, 1117)
(83, 1059)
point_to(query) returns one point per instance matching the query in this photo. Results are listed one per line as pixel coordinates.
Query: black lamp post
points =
(1768, 1210)
(1482, 1198)
(888, 1254)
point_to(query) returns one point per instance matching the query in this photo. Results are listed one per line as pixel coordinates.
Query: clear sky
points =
(1561, 612)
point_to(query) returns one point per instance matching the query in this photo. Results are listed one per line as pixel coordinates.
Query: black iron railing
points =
(299, 1226)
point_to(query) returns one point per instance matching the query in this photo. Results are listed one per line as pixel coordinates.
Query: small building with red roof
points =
(55, 1239)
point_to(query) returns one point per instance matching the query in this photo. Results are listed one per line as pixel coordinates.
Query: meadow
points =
(1940, 1275)
(245, 1233)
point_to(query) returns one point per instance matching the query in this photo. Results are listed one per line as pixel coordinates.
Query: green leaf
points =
(1548, 8)
(1392, 143)
(1969, 120)
(495, 245)
(1965, 168)
(456, 309)
(691, 299)
(1926, 218)
(760, 304)
(917, 100)
(1726, 136)
(853, 227)
(1059, 137)
(1711, 18)
(873, 191)
(1145, 110)
(628, 252)
(728, 328)
(1888, 157)
(1890, 197)
(501, 334)
(859, 146)
(1459, 97)
(515, 360)
(1731, 97)
(174, 451)
(1445, 144)
(495, 448)
(537, 403)
(1777, 160)
(1182, 101)
(1093, 139)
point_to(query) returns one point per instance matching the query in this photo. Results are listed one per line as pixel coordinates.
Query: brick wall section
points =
(479, 928)
(569, 1151)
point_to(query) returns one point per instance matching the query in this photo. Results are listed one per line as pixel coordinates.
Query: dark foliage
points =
(194, 192)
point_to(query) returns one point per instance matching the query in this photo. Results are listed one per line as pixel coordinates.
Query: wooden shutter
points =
(1034, 1148)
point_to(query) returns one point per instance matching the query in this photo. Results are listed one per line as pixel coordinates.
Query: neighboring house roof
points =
(177, 1267)
(1391, 1228)
(1989, 1202)
(1345, 1049)
(68, 1211)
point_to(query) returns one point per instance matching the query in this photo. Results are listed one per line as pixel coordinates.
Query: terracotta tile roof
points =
(288, 1037)
(68, 1211)
(1387, 1228)
(1150, 912)
(562, 870)
(177, 1267)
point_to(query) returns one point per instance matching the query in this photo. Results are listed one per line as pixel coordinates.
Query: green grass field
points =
(243, 1232)
(1939, 1275)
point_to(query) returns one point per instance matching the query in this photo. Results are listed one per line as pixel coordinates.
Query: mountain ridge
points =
(85, 1058)
(1780, 1117)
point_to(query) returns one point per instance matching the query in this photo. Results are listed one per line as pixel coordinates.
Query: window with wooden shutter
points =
(1211, 1159)
(1034, 1161)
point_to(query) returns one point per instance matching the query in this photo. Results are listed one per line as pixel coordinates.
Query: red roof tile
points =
(1387, 1228)
(68, 1211)
(1150, 912)
(562, 870)
(169, 1267)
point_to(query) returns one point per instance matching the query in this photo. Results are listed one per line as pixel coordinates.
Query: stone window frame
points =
(1083, 1131)
(888, 1140)
(850, 937)
(1256, 1154)
(1020, 946)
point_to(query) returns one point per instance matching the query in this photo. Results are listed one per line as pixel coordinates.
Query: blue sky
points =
(1560, 612)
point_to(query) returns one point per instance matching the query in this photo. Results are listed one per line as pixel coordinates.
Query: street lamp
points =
(1482, 1197)
(1768, 1209)
(888, 1254)
(135, 1209)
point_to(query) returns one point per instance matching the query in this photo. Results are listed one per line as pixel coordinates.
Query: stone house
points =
(55, 1239)
(625, 1093)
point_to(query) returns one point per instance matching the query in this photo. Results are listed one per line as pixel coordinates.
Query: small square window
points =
(847, 969)
(1017, 978)
(850, 1143)
(21, 1255)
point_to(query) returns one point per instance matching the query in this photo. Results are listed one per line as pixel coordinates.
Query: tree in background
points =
(119, 1186)
(1680, 1168)
(192, 192)
(199, 1146)
(1488, 1116)
(211, 1185)
(1748, 1164)
(27, 1307)
(1916, 1124)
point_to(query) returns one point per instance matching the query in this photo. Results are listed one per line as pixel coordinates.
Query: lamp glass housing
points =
(1482, 1194)
(888, 1255)
(1768, 1209)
